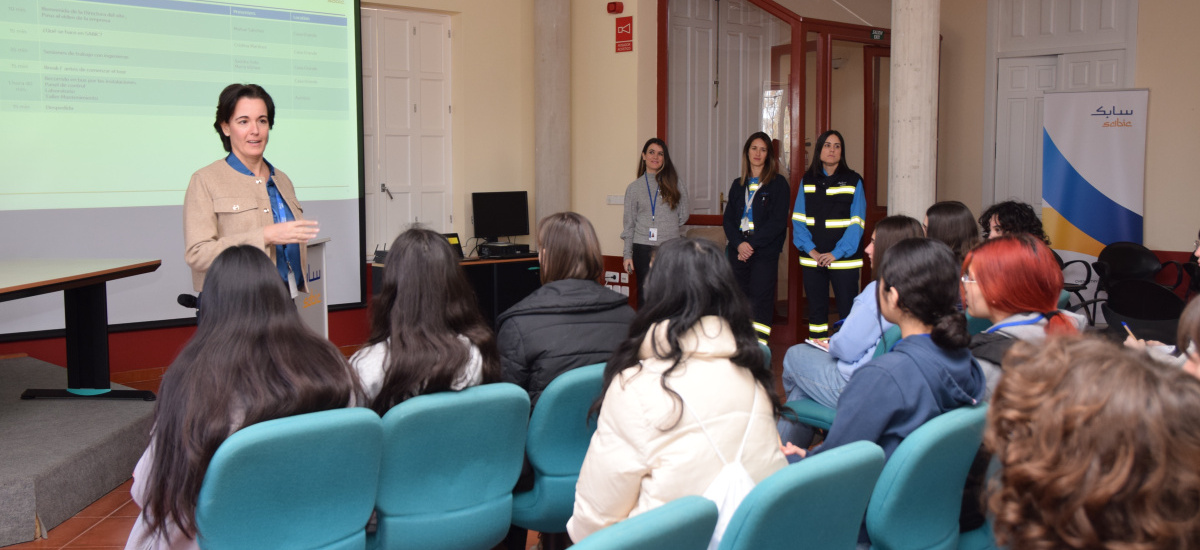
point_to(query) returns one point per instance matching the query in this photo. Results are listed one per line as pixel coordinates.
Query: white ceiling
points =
(876, 13)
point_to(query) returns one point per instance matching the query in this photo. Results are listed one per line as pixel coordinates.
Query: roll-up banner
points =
(1093, 172)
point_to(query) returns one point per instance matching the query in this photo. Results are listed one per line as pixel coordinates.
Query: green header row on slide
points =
(148, 21)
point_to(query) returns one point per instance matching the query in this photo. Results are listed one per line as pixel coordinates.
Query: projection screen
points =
(107, 108)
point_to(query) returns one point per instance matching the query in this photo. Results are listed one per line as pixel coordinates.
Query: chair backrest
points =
(1123, 261)
(818, 502)
(683, 524)
(450, 461)
(305, 481)
(917, 500)
(887, 341)
(766, 354)
(560, 431)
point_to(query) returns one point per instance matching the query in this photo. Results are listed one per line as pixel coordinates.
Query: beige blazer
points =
(224, 208)
(638, 461)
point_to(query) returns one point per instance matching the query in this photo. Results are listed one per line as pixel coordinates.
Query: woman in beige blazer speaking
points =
(242, 198)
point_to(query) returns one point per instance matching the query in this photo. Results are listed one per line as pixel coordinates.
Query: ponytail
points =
(950, 331)
(1057, 324)
(925, 274)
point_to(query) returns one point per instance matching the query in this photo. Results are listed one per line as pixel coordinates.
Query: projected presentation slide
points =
(110, 103)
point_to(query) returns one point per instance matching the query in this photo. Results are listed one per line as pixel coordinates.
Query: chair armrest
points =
(807, 411)
(1178, 272)
(1086, 267)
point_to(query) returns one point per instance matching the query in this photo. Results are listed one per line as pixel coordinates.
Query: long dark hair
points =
(816, 169)
(251, 359)
(424, 304)
(668, 180)
(691, 279)
(770, 164)
(953, 223)
(925, 276)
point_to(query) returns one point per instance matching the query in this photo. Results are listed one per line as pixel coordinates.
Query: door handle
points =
(383, 188)
(723, 202)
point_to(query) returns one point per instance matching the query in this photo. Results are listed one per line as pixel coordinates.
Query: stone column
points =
(912, 140)
(552, 107)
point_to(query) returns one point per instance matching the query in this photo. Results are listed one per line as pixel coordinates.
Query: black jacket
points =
(562, 325)
(772, 211)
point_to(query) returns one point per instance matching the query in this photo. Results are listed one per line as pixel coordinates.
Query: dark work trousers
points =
(816, 289)
(757, 277)
(641, 268)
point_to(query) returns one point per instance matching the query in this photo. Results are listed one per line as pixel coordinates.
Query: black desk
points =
(498, 283)
(86, 303)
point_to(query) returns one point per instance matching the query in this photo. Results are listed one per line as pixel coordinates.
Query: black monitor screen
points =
(501, 214)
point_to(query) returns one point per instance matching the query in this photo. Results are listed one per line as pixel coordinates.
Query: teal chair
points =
(450, 461)
(917, 500)
(818, 502)
(559, 434)
(305, 482)
(766, 354)
(683, 524)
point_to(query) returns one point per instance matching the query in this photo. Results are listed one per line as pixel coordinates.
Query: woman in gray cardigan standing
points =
(656, 207)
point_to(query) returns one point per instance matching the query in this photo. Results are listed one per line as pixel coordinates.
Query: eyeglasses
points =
(966, 278)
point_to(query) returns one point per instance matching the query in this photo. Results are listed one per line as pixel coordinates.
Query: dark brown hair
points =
(770, 164)
(251, 360)
(892, 230)
(228, 102)
(569, 247)
(424, 304)
(668, 179)
(953, 223)
(1099, 447)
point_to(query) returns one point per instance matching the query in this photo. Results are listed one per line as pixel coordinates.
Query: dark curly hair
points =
(1099, 447)
(1013, 217)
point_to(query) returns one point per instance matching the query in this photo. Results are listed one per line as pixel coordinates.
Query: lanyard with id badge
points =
(653, 232)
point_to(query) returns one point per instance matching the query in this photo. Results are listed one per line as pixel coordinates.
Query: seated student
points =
(1098, 447)
(1014, 282)
(251, 360)
(572, 320)
(952, 223)
(1185, 354)
(929, 372)
(1009, 217)
(820, 375)
(687, 384)
(427, 334)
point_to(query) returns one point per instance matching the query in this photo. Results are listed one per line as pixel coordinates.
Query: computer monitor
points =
(500, 214)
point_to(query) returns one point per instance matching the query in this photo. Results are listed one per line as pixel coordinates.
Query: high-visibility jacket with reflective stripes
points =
(830, 216)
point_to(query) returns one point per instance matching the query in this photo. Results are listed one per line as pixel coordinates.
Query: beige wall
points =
(1166, 66)
(1172, 205)
(960, 103)
(492, 96)
(613, 99)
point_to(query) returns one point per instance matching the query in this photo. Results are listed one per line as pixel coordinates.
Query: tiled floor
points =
(103, 524)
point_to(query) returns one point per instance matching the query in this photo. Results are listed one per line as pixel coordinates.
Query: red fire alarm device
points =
(615, 7)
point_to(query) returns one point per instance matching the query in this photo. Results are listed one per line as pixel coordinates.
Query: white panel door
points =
(407, 110)
(1091, 71)
(1020, 88)
(717, 74)
(692, 120)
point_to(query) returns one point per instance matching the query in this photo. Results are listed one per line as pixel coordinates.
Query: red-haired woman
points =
(1014, 282)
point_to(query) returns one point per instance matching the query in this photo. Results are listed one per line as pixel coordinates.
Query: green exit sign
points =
(876, 35)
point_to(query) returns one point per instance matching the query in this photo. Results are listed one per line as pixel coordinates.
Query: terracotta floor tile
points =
(111, 531)
(105, 505)
(58, 536)
(129, 510)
